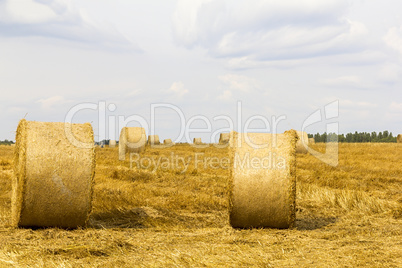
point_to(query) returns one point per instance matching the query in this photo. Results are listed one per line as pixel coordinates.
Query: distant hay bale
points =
(167, 142)
(112, 143)
(399, 138)
(132, 140)
(54, 172)
(302, 142)
(224, 138)
(311, 141)
(197, 141)
(153, 140)
(263, 180)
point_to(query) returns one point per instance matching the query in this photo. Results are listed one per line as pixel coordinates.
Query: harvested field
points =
(162, 214)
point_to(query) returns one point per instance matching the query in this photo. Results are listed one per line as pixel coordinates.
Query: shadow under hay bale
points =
(54, 166)
(314, 223)
(133, 218)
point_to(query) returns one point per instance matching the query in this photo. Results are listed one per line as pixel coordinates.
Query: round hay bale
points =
(311, 141)
(153, 140)
(197, 141)
(52, 185)
(112, 143)
(399, 138)
(167, 142)
(132, 140)
(262, 187)
(224, 138)
(302, 142)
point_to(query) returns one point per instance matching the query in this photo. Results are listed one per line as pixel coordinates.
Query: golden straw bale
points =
(399, 138)
(112, 143)
(54, 167)
(167, 142)
(197, 141)
(302, 143)
(153, 140)
(132, 140)
(311, 141)
(262, 188)
(224, 138)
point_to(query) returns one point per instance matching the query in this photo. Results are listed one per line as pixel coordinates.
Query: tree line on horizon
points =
(358, 137)
(6, 142)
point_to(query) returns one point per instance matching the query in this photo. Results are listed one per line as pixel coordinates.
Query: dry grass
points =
(347, 216)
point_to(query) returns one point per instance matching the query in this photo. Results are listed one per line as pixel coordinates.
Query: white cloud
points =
(393, 38)
(57, 19)
(178, 89)
(390, 73)
(356, 104)
(226, 95)
(239, 82)
(15, 110)
(343, 81)
(50, 102)
(357, 109)
(395, 107)
(135, 92)
(186, 19)
(394, 113)
(27, 11)
(268, 30)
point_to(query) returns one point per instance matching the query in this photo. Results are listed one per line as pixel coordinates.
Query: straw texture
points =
(224, 138)
(197, 141)
(262, 188)
(52, 185)
(153, 140)
(302, 142)
(167, 142)
(112, 143)
(132, 140)
(399, 138)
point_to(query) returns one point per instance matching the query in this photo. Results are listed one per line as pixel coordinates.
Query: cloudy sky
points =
(201, 59)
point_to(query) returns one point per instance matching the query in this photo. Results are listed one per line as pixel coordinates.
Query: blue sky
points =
(277, 58)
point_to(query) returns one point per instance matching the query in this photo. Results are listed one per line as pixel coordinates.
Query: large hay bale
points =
(224, 138)
(112, 143)
(197, 141)
(311, 141)
(399, 138)
(167, 142)
(263, 180)
(54, 171)
(153, 140)
(302, 142)
(132, 140)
